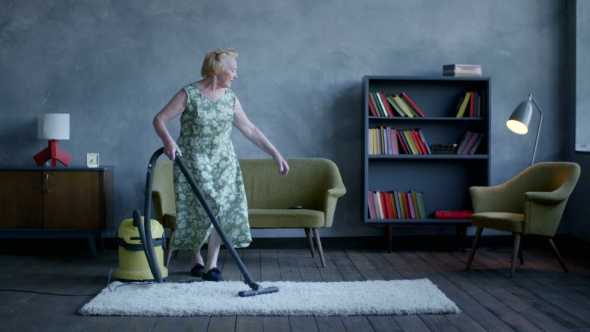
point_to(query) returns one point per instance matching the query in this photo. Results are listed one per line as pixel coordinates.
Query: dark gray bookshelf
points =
(444, 179)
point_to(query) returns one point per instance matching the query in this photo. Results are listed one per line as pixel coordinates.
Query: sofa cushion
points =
(285, 218)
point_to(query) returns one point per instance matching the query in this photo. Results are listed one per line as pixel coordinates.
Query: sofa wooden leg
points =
(318, 243)
(308, 234)
(474, 247)
(515, 250)
(169, 250)
(559, 258)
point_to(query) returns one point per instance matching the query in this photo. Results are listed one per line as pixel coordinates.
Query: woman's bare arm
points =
(251, 132)
(176, 106)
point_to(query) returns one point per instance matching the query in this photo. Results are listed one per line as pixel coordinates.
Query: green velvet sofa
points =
(305, 198)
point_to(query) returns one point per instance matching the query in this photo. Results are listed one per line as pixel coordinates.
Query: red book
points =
(372, 107)
(413, 104)
(388, 204)
(383, 205)
(401, 141)
(424, 140)
(472, 106)
(384, 99)
(418, 142)
(459, 214)
(407, 205)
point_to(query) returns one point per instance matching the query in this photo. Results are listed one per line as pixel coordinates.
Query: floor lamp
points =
(520, 119)
(53, 126)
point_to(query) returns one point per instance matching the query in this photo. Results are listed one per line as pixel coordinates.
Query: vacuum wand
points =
(146, 236)
(217, 225)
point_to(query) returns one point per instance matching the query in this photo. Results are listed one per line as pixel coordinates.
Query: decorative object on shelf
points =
(444, 149)
(462, 70)
(457, 214)
(92, 160)
(520, 119)
(53, 126)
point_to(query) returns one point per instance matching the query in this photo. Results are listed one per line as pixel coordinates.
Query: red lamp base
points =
(53, 152)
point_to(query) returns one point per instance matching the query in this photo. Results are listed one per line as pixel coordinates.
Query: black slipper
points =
(213, 275)
(197, 270)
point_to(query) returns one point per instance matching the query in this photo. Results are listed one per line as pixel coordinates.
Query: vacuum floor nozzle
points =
(259, 291)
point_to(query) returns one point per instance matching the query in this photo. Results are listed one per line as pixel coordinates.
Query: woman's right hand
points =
(170, 149)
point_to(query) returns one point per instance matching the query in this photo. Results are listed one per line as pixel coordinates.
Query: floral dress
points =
(208, 153)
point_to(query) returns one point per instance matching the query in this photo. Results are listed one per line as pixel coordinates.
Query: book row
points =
(387, 140)
(469, 142)
(469, 105)
(393, 105)
(396, 205)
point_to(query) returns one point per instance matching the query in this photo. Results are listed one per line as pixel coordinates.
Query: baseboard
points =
(567, 244)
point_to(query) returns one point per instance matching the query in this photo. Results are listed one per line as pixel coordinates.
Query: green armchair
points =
(530, 203)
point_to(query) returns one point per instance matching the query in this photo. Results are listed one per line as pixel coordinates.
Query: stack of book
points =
(470, 142)
(393, 105)
(387, 140)
(396, 205)
(462, 70)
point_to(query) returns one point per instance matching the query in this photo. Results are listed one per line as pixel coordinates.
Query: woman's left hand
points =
(283, 166)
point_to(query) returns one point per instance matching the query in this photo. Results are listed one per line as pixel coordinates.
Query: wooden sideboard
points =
(56, 202)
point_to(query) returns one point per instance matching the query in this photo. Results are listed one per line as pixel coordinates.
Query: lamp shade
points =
(520, 118)
(54, 126)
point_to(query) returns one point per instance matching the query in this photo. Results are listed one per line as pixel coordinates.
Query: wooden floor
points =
(541, 297)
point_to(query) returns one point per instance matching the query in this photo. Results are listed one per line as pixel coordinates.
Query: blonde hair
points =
(214, 61)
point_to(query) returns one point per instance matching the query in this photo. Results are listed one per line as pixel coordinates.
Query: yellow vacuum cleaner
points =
(133, 264)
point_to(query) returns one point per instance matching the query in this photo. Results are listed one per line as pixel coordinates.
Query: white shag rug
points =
(374, 297)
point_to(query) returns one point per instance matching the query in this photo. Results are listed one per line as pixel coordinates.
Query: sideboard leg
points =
(92, 242)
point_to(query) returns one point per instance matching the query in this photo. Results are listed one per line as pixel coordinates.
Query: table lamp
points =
(520, 119)
(53, 126)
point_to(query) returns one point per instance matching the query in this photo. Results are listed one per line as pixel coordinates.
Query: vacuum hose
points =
(145, 231)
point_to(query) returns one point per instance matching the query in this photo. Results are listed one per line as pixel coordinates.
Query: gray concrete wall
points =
(114, 64)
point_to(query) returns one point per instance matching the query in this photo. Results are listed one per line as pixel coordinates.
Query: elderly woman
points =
(209, 108)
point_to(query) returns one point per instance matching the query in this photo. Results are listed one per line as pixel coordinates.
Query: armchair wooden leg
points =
(474, 247)
(308, 234)
(318, 243)
(520, 255)
(515, 250)
(169, 250)
(559, 258)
